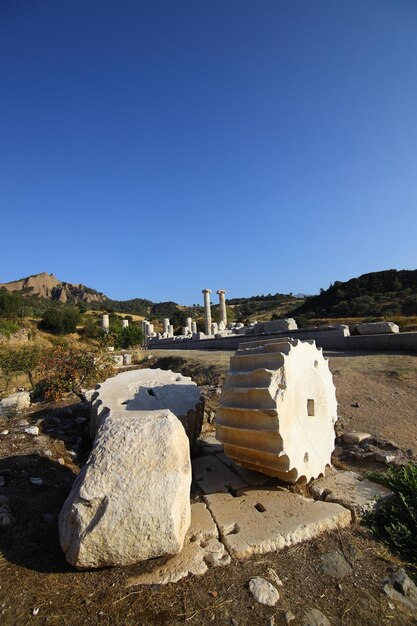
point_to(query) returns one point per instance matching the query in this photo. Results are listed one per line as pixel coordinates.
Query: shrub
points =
(22, 359)
(394, 519)
(69, 368)
(7, 327)
(60, 321)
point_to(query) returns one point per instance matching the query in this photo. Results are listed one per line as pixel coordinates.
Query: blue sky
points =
(152, 149)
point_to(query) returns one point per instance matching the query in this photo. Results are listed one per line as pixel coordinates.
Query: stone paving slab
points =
(213, 476)
(201, 550)
(263, 521)
(254, 479)
(349, 489)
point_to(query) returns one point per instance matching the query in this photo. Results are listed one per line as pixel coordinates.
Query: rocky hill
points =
(48, 286)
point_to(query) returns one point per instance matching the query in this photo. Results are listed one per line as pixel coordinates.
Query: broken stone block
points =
(213, 476)
(131, 501)
(275, 326)
(149, 390)
(202, 550)
(15, 404)
(278, 409)
(354, 437)
(261, 521)
(376, 328)
(349, 489)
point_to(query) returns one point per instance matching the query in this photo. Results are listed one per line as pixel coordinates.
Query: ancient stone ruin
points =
(278, 409)
(131, 501)
(149, 390)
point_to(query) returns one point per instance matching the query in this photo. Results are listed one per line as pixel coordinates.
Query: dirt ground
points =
(377, 393)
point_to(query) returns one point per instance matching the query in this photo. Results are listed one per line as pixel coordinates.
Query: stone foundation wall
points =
(328, 339)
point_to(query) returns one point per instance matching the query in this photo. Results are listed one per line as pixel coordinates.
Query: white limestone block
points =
(374, 328)
(278, 409)
(202, 550)
(149, 390)
(261, 521)
(276, 325)
(349, 489)
(15, 404)
(131, 501)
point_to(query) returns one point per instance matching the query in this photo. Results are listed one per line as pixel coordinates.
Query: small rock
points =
(214, 594)
(289, 616)
(355, 405)
(334, 564)
(263, 591)
(22, 423)
(48, 453)
(32, 430)
(314, 617)
(6, 432)
(384, 457)
(35, 611)
(355, 437)
(60, 460)
(35, 480)
(275, 578)
(399, 587)
(410, 453)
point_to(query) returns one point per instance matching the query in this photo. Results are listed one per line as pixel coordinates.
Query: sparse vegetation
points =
(394, 519)
(22, 358)
(69, 368)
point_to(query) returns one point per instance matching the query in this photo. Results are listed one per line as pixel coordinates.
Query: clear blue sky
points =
(152, 149)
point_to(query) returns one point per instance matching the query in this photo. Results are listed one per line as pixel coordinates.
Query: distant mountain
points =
(390, 292)
(48, 286)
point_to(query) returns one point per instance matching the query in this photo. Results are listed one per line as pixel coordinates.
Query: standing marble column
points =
(222, 305)
(125, 323)
(207, 310)
(166, 325)
(105, 324)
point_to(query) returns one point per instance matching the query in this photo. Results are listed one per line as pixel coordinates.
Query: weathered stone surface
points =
(130, 502)
(355, 437)
(275, 325)
(263, 521)
(372, 328)
(252, 478)
(149, 390)
(213, 476)
(314, 617)
(15, 404)
(278, 409)
(335, 565)
(263, 591)
(349, 489)
(202, 550)
(400, 588)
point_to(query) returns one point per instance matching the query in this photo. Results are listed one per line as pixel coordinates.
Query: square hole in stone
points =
(310, 407)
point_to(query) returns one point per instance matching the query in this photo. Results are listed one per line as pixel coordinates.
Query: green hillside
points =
(390, 292)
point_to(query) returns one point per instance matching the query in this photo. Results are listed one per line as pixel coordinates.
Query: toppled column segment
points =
(150, 390)
(278, 409)
(131, 501)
